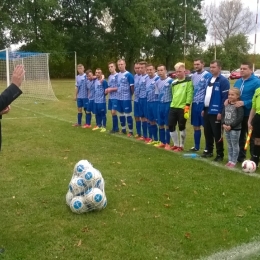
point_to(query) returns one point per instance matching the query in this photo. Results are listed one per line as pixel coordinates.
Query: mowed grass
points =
(160, 205)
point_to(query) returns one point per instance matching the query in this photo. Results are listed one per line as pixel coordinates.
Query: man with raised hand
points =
(216, 94)
(125, 84)
(137, 77)
(112, 102)
(11, 93)
(152, 104)
(182, 93)
(199, 81)
(143, 100)
(247, 84)
(164, 91)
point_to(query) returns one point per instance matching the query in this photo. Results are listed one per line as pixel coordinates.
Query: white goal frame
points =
(36, 85)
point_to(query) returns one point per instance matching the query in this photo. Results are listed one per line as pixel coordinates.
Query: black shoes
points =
(218, 158)
(193, 149)
(206, 154)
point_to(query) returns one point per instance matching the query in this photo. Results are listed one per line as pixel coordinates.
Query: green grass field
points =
(160, 205)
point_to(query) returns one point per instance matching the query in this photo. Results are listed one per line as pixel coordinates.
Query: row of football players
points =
(152, 101)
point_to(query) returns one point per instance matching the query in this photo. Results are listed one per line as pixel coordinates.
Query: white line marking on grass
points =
(28, 117)
(135, 140)
(244, 251)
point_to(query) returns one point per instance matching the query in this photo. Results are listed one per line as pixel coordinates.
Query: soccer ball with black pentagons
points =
(248, 166)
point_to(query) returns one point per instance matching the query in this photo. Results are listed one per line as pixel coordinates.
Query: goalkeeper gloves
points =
(186, 112)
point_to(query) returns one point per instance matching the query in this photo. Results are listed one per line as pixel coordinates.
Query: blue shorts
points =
(90, 107)
(136, 109)
(152, 111)
(100, 108)
(112, 104)
(196, 118)
(143, 107)
(163, 113)
(124, 106)
(82, 102)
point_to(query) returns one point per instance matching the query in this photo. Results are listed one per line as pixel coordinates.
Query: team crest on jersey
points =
(202, 79)
(217, 88)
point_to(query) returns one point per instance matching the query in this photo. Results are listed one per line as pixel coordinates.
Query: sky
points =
(252, 4)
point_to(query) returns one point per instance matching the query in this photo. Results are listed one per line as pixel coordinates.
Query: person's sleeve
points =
(248, 103)
(239, 117)
(189, 93)
(130, 78)
(223, 116)
(225, 86)
(9, 95)
(105, 85)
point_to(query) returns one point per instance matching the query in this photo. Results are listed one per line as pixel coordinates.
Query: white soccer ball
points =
(248, 166)
(69, 197)
(81, 167)
(103, 204)
(77, 205)
(92, 177)
(100, 184)
(93, 198)
(77, 186)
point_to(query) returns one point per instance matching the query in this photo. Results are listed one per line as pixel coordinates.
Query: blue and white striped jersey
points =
(100, 87)
(150, 89)
(164, 90)
(142, 86)
(81, 85)
(91, 89)
(137, 89)
(124, 80)
(112, 83)
(200, 83)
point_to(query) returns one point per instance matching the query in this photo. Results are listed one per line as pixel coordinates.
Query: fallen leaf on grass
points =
(118, 162)
(157, 216)
(187, 235)
(195, 192)
(65, 158)
(123, 184)
(167, 205)
(66, 150)
(79, 243)
(85, 229)
(166, 194)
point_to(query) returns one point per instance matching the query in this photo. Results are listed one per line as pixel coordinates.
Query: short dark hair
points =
(161, 65)
(98, 69)
(199, 59)
(111, 62)
(216, 61)
(248, 63)
(142, 63)
(149, 65)
(88, 71)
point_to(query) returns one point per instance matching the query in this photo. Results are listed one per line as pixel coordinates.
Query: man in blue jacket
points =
(216, 94)
(247, 85)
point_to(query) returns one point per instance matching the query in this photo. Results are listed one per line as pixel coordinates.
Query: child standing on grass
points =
(232, 118)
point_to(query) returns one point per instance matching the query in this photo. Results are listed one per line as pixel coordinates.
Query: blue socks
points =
(155, 132)
(168, 137)
(144, 126)
(115, 122)
(162, 135)
(130, 123)
(122, 122)
(79, 118)
(88, 118)
(138, 127)
(197, 136)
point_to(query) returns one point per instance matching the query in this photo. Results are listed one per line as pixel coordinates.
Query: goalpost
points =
(36, 85)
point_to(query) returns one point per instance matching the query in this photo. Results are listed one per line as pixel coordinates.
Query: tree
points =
(229, 18)
(169, 23)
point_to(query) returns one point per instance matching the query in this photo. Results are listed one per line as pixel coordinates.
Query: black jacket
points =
(6, 98)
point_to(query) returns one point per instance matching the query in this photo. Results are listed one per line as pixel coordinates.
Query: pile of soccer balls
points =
(248, 166)
(86, 189)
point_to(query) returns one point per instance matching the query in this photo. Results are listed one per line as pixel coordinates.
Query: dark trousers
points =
(0, 133)
(213, 132)
(242, 140)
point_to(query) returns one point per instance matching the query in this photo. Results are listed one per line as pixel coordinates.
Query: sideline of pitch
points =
(135, 140)
(243, 251)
